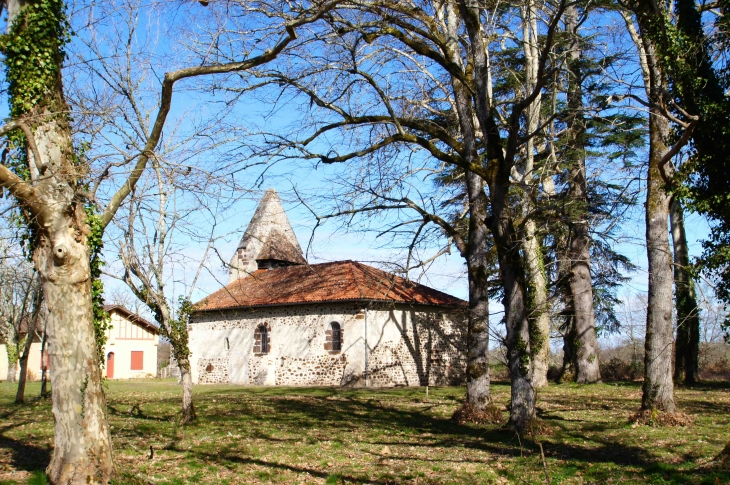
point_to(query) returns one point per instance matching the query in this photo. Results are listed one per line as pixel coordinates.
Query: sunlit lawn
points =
(323, 435)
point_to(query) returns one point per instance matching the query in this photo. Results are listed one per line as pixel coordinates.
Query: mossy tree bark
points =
(537, 293)
(658, 387)
(687, 347)
(50, 192)
(477, 366)
(500, 153)
(585, 352)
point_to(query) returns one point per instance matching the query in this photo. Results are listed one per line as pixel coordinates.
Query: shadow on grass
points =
(415, 427)
(227, 459)
(23, 456)
(323, 414)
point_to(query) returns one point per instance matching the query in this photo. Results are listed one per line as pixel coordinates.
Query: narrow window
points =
(226, 344)
(137, 360)
(336, 337)
(261, 340)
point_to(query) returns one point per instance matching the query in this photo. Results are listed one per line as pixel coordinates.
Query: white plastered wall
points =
(118, 341)
(222, 343)
(34, 362)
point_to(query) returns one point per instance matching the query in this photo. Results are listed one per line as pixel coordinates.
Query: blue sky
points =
(330, 242)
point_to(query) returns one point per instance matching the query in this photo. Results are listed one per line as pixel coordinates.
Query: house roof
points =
(325, 282)
(132, 317)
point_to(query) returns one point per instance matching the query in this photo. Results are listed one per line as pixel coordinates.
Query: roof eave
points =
(452, 306)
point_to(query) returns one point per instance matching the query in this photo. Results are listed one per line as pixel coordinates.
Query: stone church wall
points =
(408, 346)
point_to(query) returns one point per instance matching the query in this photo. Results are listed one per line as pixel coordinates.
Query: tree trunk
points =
(537, 297)
(82, 445)
(569, 347)
(188, 410)
(12, 369)
(23, 361)
(176, 331)
(539, 317)
(687, 348)
(658, 388)
(579, 279)
(477, 370)
(522, 409)
(44, 367)
(477, 367)
(500, 223)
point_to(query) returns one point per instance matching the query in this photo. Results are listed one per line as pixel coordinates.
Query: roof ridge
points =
(354, 277)
(383, 274)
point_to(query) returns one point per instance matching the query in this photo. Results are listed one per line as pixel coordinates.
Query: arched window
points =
(262, 340)
(336, 336)
(333, 338)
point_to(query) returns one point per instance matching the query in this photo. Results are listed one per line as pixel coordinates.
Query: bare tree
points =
(54, 199)
(18, 293)
(32, 321)
(158, 218)
(438, 97)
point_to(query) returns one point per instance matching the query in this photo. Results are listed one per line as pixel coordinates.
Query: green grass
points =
(334, 436)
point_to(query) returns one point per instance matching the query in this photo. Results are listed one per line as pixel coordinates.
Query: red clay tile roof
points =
(326, 282)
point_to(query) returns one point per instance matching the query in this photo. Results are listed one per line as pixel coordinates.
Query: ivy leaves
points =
(33, 53)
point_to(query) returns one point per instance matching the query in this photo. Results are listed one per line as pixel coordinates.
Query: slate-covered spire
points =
(268, 242)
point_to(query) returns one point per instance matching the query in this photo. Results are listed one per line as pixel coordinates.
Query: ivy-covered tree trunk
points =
(186, 378)
(11, 348)
(585, 355)
(687, 347)
(54, 210)
(175, 329)
(177, 333)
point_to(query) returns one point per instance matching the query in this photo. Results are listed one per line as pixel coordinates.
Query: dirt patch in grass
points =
(466, 413)
(654, 417)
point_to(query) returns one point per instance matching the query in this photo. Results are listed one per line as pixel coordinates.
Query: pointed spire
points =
(269, 239)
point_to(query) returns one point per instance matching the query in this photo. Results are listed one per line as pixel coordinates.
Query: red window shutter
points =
(137, 360)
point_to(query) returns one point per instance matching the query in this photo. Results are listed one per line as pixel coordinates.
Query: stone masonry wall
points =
(213, 371)
(407, 346)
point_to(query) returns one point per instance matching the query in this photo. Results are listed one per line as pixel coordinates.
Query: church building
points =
(283, 321)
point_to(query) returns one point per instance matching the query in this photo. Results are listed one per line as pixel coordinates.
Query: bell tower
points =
(269, 241)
